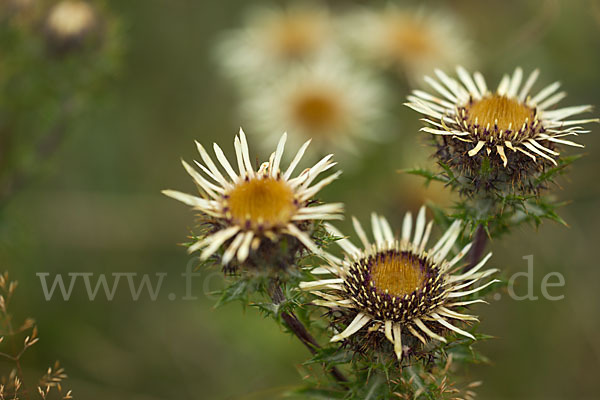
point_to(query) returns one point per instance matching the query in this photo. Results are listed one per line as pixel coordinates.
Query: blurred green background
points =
(97, 208)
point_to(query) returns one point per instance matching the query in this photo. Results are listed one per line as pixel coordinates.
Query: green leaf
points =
(557, 170)
(238, 290)
(428, 175)
(331, 356)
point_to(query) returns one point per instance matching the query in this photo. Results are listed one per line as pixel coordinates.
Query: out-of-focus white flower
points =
(273, 39)
(70, 19)
(326, 101)
(413, 41)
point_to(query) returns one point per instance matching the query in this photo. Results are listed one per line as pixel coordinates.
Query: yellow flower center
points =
(508, 112)
(295, 36)
(261, 203)
(397, 273)
(317, 110)
(408, 38)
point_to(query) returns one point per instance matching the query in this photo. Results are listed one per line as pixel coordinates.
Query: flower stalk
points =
(298, 328)
(478, 249)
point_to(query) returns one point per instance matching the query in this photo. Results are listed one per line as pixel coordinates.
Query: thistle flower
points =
(273, 39)
(69, 22)
(327, 101)
(510, 132)
(248, 208)
(394, 287)
(413, 41)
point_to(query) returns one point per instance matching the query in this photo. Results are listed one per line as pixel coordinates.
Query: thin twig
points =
(16, 359)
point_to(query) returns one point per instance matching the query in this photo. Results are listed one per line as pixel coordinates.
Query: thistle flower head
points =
(248, 210)
(509, 132)
(397, 288)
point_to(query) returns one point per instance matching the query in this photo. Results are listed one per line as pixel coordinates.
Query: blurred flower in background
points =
(315, 72)
(412, 41)
(327, 101)
(69, 22)
(273, 39)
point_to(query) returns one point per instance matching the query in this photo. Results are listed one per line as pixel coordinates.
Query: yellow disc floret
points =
(506, 112)
(397, 274)
(261, 203)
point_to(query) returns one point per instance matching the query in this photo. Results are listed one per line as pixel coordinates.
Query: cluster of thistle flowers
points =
(390, 288)
(386, 292)
(391, 284)
(307, 70)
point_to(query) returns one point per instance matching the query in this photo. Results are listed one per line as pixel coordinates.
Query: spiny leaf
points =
(558, 170)
(427, 174)
(238, 290)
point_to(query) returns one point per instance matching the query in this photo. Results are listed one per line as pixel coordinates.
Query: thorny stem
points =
(294, 324)
(478, 248)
